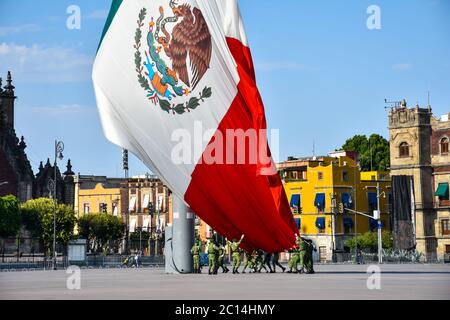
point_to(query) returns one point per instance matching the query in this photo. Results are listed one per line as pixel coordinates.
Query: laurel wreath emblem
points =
(164, 104)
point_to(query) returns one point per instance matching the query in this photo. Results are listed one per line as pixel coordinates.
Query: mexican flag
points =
(175, 85)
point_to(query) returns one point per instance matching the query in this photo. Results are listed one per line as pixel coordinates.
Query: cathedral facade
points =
(16, 174)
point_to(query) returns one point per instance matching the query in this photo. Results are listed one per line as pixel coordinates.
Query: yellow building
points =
(319, 188)
(96, 194)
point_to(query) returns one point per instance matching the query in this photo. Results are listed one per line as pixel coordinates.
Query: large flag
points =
(175, 85)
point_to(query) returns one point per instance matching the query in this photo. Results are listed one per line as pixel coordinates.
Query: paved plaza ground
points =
(340, 282)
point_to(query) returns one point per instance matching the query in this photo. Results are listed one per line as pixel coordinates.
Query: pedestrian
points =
(359, 256)
(235, 254)
(275, 262)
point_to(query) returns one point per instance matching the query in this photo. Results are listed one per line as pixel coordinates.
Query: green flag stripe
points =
(112, 13)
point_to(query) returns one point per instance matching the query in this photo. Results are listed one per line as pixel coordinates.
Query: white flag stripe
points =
(132, 121)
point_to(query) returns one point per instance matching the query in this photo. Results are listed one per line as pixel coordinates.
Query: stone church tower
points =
(16, 175)
(410, 143)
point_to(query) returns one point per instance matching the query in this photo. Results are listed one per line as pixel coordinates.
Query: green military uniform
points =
(309, 257)
(294, 260)
(212, 258)
(303, 255)
(259, 261)
(275, 262)
(195, 251)
(248, 261)
(266, 257)
(221, 258)
(235, 254)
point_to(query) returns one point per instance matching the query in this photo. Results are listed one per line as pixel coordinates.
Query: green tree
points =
(369, 241)
(9, 216)
(375, 147)
(38, 213)
(100, 229)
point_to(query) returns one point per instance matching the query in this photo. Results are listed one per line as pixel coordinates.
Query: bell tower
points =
(8, 98)
(410, 132)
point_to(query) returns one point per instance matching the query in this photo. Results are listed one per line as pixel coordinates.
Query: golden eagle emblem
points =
(189, 43)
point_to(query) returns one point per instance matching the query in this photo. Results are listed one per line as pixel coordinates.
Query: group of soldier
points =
(301, 258)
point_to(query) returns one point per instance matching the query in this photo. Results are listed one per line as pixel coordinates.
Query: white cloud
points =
(402, 66)
(97, 14)
(38, 63)
(277, 66)
(5, 31)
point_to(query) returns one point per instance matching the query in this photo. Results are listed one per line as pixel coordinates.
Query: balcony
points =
(442, 204)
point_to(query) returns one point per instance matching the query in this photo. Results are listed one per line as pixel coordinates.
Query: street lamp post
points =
(59, 148)
(127, 209)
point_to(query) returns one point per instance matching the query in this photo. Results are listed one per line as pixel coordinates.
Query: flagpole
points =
(179, 254)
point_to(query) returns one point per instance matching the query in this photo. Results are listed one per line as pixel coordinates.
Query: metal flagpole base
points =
(179, 239)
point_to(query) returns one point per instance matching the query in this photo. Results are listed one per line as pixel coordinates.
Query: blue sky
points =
(322, 73)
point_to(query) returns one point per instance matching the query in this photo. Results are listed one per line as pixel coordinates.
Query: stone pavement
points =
(339, 282)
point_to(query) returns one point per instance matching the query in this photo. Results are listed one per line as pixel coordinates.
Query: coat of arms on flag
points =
(173, 63)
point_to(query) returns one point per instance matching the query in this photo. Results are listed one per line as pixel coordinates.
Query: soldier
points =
(267, 261)
(259, 261)
(309, 256)
(212, 256)
(235, 254)
(195, 251)
(302, 254)
(248, 261)
(221, 258)
(293, 262)
(275, 262)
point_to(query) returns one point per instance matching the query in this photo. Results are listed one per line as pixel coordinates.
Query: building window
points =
(348, 225)
(115, 209)
(320, 175)
(86, 208)
(443, 193)
(444, 146)
(320, 224)
(404, 150)
(447, 249)
(372, 202)
(445, 227)
(345, 176)
(102, 208)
